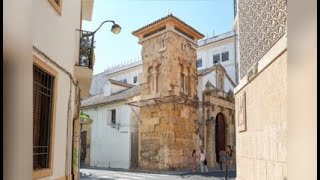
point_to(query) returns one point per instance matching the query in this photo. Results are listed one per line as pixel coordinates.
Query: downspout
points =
(68, 135)
(75, 129)
(75, 137)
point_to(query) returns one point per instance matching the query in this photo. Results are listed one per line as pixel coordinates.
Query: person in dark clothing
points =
(205, 165)
(229, 154)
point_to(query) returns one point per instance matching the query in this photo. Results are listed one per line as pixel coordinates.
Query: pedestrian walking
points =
(205, 165)
(229, 154)
(194, 160)
(202, 158)
(222, 158)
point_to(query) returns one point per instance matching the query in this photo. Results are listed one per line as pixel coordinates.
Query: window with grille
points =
(42, 117)
(216, 58)
(113, 116)
(225, 56)
(199, 63)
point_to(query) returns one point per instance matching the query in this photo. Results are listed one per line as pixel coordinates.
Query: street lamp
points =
(87, 44)
(115, 27)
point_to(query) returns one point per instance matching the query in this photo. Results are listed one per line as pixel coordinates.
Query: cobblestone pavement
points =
(100, 174)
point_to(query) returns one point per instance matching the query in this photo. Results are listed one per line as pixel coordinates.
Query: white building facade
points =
(219, 49)
(56, 85)
(114, 128)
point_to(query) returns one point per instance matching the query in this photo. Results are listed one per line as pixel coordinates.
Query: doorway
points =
(83, 147)
(220, 129)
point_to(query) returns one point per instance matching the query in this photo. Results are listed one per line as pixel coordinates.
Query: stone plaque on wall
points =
(242, 121)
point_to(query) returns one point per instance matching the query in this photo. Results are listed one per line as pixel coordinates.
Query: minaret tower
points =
(168, 132)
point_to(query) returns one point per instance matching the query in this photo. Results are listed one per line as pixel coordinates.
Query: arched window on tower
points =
(150, 82)
(182, 78)
(157, 78)
(188, 82)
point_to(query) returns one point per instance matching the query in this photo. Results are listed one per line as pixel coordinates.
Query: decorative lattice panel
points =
(261, 24)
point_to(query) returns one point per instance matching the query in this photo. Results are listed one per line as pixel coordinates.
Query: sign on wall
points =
(242, 121)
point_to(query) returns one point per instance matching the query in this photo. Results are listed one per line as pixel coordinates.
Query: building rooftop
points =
(216, 38)
(120, 83)
(101, 99)
(169, 17)
(98, 81)
(121, 67)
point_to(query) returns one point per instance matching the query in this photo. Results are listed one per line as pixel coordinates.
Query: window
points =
(57, 5)
(43, 119)
(225, 56)
(216, 58)
(135, 79)
(199, 63)
(182, 82)
(113, 116)
(124, 80)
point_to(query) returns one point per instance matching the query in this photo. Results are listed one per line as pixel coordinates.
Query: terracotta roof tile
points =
(164, 18)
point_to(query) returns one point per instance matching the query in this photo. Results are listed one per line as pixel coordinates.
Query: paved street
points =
(95, 174)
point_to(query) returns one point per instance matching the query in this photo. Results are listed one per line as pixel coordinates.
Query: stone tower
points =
(168, 132)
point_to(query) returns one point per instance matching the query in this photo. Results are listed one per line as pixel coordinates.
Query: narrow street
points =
(95, 174)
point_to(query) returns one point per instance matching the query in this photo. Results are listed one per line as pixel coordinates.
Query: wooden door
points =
(83, 147)
(220, 135)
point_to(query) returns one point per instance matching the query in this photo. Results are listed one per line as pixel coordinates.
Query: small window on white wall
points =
(225, 56)
(216, 58)
(199, 63)
(113, 116)
(135, 79)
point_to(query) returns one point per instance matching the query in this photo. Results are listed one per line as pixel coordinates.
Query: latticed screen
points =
(42, 117)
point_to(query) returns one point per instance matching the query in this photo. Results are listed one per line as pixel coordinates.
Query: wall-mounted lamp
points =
(116, 29)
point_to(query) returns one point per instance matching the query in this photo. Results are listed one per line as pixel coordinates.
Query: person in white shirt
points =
(202, 158)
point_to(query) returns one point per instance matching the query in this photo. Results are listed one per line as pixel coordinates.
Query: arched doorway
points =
(220, 132)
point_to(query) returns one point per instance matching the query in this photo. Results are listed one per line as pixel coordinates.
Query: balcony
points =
(84, 67)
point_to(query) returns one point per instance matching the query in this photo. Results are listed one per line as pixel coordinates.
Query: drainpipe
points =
(68, 135)
(75, 137)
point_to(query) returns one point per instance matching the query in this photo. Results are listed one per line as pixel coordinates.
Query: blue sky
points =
(207, 16)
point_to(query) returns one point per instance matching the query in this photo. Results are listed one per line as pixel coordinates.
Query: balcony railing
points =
(86, 49)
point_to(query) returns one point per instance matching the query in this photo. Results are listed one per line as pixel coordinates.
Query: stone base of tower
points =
(167, 137)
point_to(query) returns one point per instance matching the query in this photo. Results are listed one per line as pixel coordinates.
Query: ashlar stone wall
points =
(168, 133)
(262, 148)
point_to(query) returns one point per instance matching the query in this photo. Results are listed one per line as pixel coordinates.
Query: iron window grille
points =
(86, 49)
(42, 117)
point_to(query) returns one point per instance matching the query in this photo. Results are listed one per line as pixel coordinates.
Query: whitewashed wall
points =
(207, 51)
(56, 36)
(110, 146)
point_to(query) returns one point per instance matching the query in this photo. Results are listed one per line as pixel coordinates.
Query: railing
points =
(86, 49)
